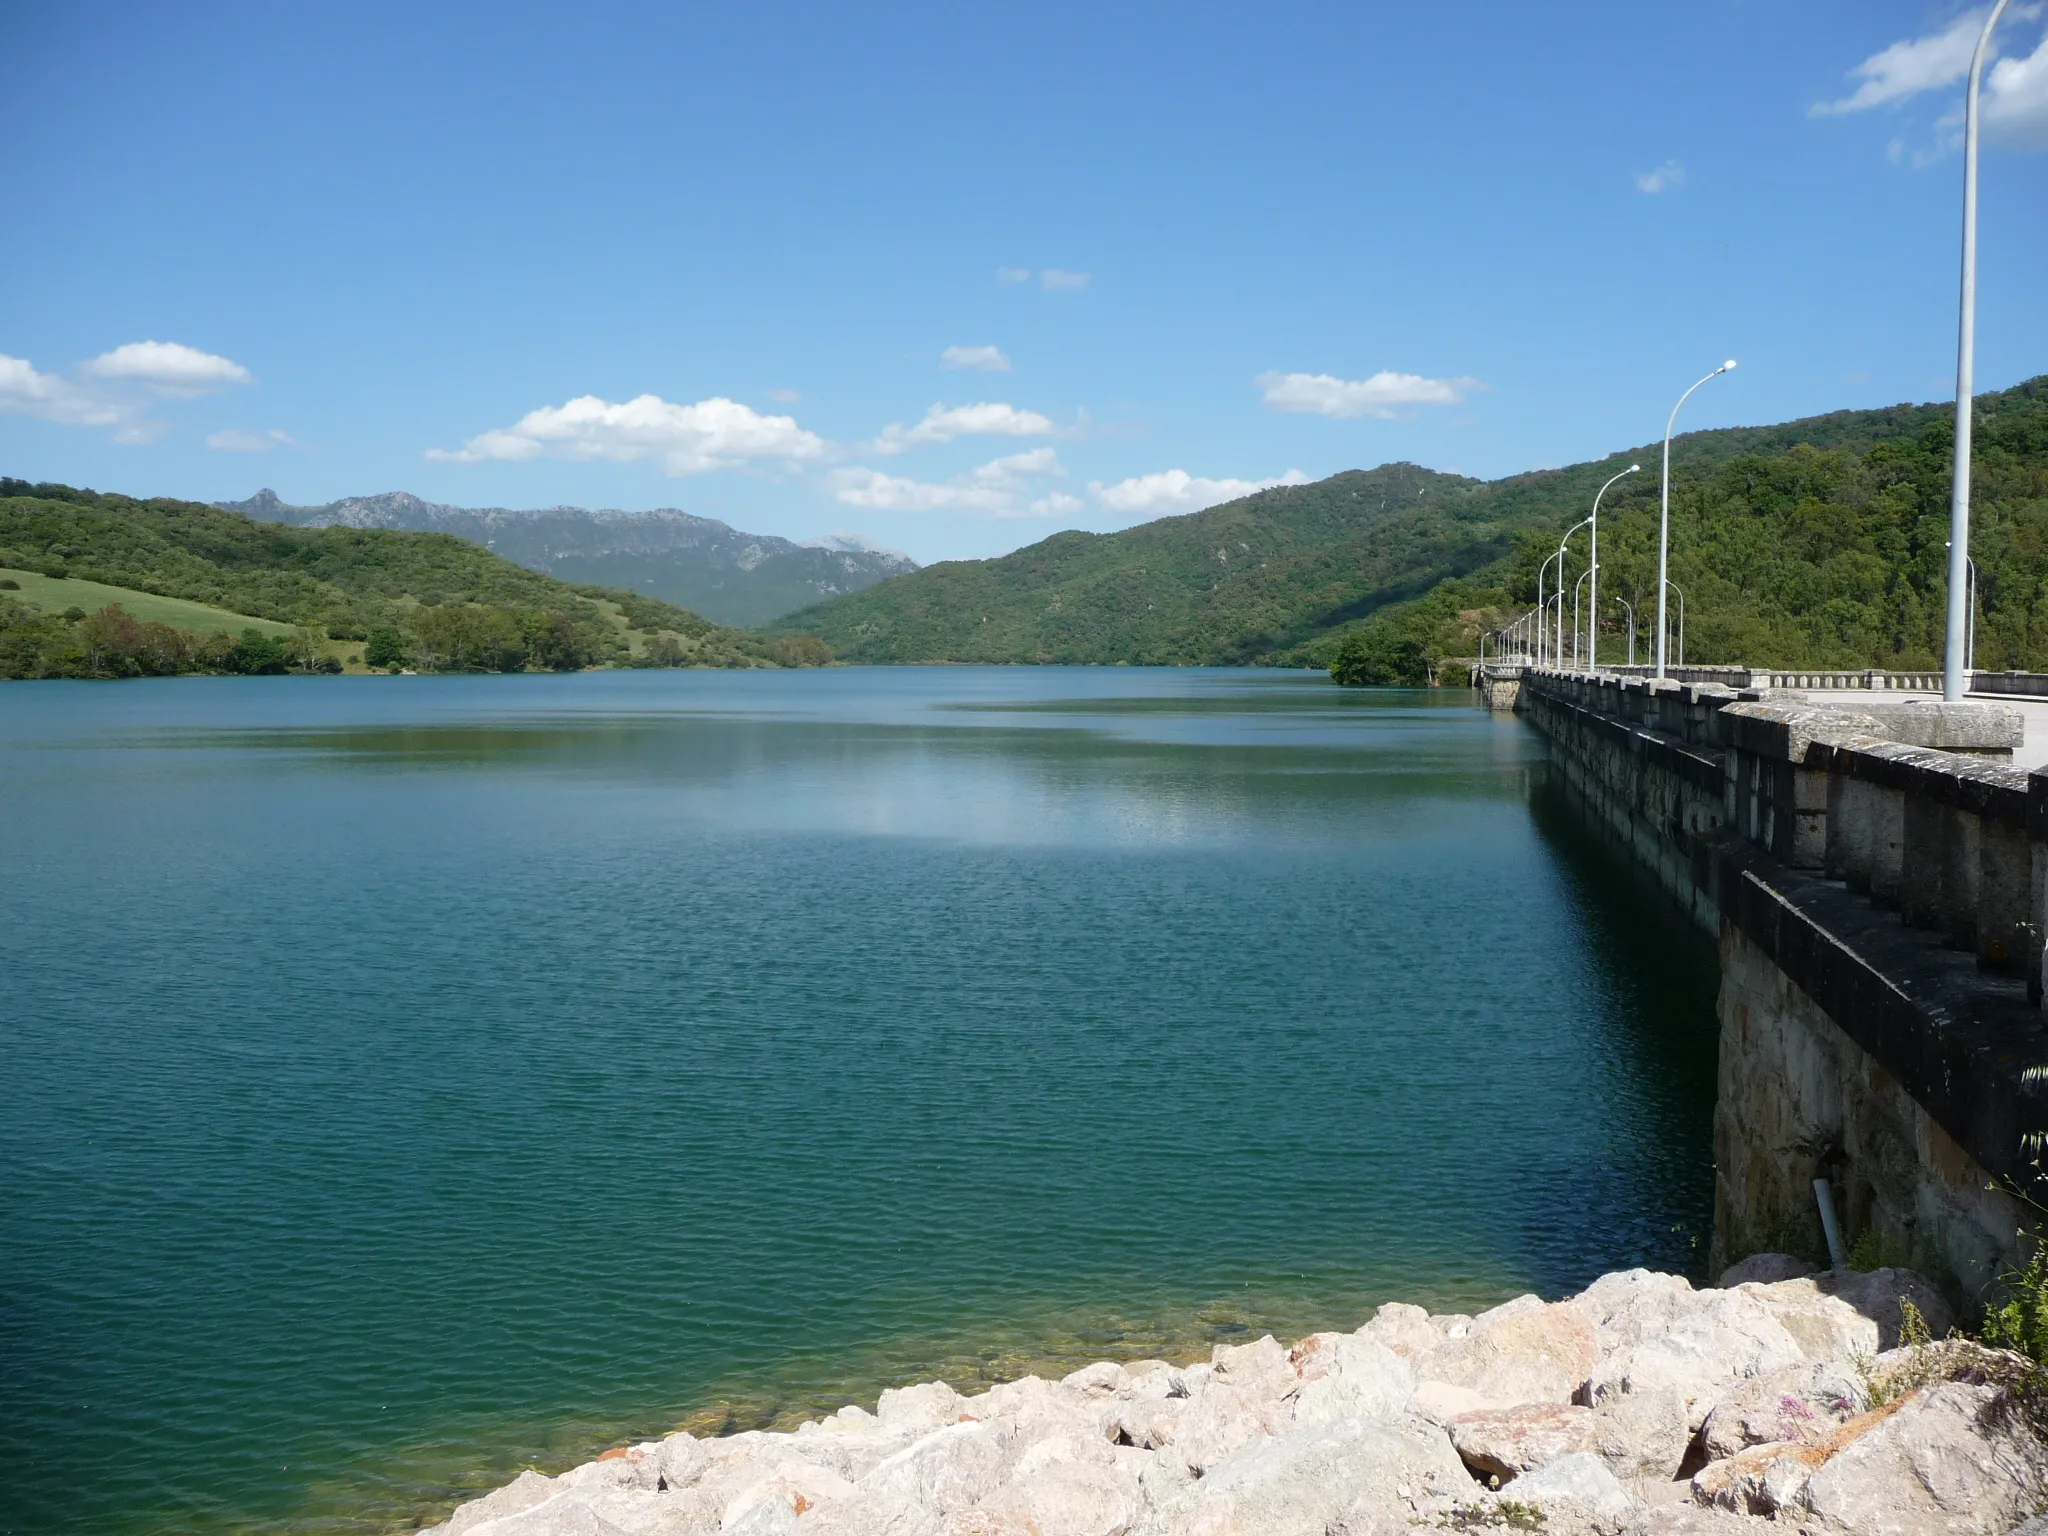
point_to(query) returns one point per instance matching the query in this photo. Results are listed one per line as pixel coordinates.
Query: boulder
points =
(1758, 1480)
(1763, 1268)
(910, 1493)
(1073, 1496)
(1358, 1474)
(1701, 1344)
(1643, 1436)
(1261, 1368)
(1438, 1402)
(1522, 1352)
(522, 1493)
(1506, 1442)
(1826, 1326)
(773, 1504)
(927, 1405)
(1404, 1329)
(1222, 1420)
(1349, 1376)
(1880, 1295)
(1575, 1491)
(1952, 1460)
(680, 1461)
(1802, 1404)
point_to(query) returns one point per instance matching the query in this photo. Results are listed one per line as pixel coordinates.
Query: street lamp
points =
(1956, 652)
(1674, 586)
(1664, 523)
(1575, 527)
(1593, 598)
(1575, 617)
(1631, 607)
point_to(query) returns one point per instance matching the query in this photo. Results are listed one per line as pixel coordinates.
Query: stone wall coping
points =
(1982, 786)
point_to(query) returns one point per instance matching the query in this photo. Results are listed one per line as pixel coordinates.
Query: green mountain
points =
(424, 599)
(1816, 540)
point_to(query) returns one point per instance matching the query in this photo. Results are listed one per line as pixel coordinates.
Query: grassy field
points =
(53, 595)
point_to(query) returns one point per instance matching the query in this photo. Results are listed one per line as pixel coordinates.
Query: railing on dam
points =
(1877, 870)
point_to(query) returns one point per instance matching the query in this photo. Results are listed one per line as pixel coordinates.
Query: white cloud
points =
(943, 423)
(2015, 94)
(235, 440)
(1908, 68)
(1052, 504)
(997, 487)
(712, 434)
(1054, 278)
(1175, 490)
(1663, 179)
(2016, 100)
(987, 359)
(51, 397)
(1382, 395)
(1013, 274)
(168, 367)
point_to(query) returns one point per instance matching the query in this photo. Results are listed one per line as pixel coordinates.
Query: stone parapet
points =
(1891, 865)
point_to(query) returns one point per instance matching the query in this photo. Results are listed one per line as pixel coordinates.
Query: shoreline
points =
(1775, 1398)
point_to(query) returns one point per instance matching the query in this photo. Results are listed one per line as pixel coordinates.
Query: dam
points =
(1876, 870)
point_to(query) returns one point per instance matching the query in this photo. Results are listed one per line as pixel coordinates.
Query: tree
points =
(386, 647)
(1375, 658)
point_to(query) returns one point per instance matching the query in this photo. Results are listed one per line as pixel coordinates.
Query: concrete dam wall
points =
(1877, 879)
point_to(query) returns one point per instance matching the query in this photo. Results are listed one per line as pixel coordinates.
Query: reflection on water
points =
(412, 1077)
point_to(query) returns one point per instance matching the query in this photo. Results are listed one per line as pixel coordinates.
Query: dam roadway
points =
(1875, 864)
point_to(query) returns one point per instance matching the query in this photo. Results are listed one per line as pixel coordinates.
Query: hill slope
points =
(698, 563)
(1231, 584)
(426, 598)
(1289, 574)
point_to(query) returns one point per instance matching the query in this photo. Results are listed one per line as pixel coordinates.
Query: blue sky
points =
(956, 277)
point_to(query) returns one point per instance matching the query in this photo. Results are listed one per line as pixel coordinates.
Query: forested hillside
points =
(1817, 540)
(1233, 584)
(1821, 543)
(698, 562)
(415, 599)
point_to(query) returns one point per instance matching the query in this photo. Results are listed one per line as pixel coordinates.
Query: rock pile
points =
(1776, 1402)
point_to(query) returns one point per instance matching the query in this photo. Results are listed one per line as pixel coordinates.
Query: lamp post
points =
(1631, 607)
(1561, 543)
(1955, 653)
(1575, 616)
(1674, 586)
(1593, 598)
(1664, 522)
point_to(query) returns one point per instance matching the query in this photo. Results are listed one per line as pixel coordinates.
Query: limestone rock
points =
(1224, 1419)
(522, 1493)
(912, 1492)
(1826, 1326)
(1643, 1436)
(1349, 1376)
(1073, 1497)
(1359, 1472)
(1701, 1344)
(1261, 1368)
(1576, 1491)
(925, 1406)
(1758, 1480)
(1764, 1269)
(1802, 1404)
(1523, 1352)
(1879, 1294)
(1506, 1442)
(1404, 1329)
(680, 1462)
(1953, 1460)
(1439, 1402)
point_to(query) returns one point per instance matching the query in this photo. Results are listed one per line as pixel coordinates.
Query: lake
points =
(404, 1080)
